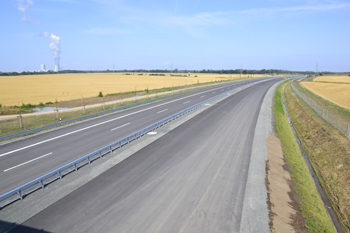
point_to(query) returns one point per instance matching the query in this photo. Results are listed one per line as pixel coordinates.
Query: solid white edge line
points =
(27, 162)
(120, 126)
(163, 110)
(104, 122)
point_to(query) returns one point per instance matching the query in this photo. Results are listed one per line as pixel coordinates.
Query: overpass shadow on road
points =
(5, 226)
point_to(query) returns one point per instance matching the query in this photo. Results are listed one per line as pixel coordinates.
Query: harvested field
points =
(33, 89)
(333, 78)
(333, 92)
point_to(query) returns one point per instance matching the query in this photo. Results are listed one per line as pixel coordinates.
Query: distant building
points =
(57, 67)
(42, 68)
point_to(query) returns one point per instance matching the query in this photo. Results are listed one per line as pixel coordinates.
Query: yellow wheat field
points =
(33, 89)
(336, 93)
(333, 78)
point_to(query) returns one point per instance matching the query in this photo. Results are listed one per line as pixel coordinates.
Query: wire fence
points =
(332, 118)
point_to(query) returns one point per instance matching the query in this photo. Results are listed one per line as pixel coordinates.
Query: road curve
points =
(190, 180)
(24, 160)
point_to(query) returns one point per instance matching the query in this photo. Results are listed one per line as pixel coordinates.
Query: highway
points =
(190, 180)
(24, 160)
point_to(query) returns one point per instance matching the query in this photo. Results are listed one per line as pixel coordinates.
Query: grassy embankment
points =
(311, 205)
(328, 151)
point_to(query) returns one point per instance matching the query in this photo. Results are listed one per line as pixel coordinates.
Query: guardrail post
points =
(88, 158)
(76, 167)
(110, 149)
(120, 145)
(20, 194)
(60, 174)
(42, 183)
(100, 154)
(128, 140)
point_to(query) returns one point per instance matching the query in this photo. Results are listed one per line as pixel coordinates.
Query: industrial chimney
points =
(42, 68)
(57, 67)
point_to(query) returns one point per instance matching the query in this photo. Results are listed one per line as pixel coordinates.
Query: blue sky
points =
(191, 34)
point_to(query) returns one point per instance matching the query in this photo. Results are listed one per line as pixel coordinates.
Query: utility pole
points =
(83, 103)
(241, 70)
(20, 119)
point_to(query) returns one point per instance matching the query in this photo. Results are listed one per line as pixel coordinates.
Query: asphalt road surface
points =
(24, 160)
(190, 180)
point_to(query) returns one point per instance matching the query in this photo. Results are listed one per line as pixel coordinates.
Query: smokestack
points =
(42, 68)
(57, 67)
(55, 46)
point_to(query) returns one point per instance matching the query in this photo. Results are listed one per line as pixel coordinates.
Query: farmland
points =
(333, 78)
(338, 93)
(33, 89)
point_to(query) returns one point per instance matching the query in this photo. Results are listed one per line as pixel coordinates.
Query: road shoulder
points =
(255, 214)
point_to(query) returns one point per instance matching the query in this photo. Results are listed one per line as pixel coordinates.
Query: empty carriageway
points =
(24, 160)
(190, 180)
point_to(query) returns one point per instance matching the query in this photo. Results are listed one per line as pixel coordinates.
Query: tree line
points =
(210, 71)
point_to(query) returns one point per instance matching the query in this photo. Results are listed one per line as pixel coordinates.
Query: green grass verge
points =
(311, 205)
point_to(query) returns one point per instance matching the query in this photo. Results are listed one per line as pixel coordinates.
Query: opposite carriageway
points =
(28, 159)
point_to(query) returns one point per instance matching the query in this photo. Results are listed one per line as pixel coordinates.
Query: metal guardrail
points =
(85, 117)
(41, 181)
(332, 118)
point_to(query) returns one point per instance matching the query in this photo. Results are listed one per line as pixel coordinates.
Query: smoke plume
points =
(22, 6)
(55, 45)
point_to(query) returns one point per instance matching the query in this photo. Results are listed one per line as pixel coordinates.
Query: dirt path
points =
(284, 214)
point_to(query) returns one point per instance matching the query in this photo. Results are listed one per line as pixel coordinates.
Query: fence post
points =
(323, 113)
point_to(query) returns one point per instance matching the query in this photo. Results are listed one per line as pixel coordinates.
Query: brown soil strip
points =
(285, 214)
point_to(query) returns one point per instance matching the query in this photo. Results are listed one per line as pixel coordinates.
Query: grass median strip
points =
(310, 203)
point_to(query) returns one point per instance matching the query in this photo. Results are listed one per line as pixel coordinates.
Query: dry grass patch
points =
(333, 78)
(336, 93)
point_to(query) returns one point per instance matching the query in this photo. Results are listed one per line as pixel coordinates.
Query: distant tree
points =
(100, 94)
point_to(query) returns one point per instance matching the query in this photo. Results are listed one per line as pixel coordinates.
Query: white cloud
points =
(297, 9)
(22, 6)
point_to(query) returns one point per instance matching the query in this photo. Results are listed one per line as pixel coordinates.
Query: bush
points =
(27, 106)
(100, 94)
(41, 104)
(0, 105)
(349, 75)
(48, 103)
